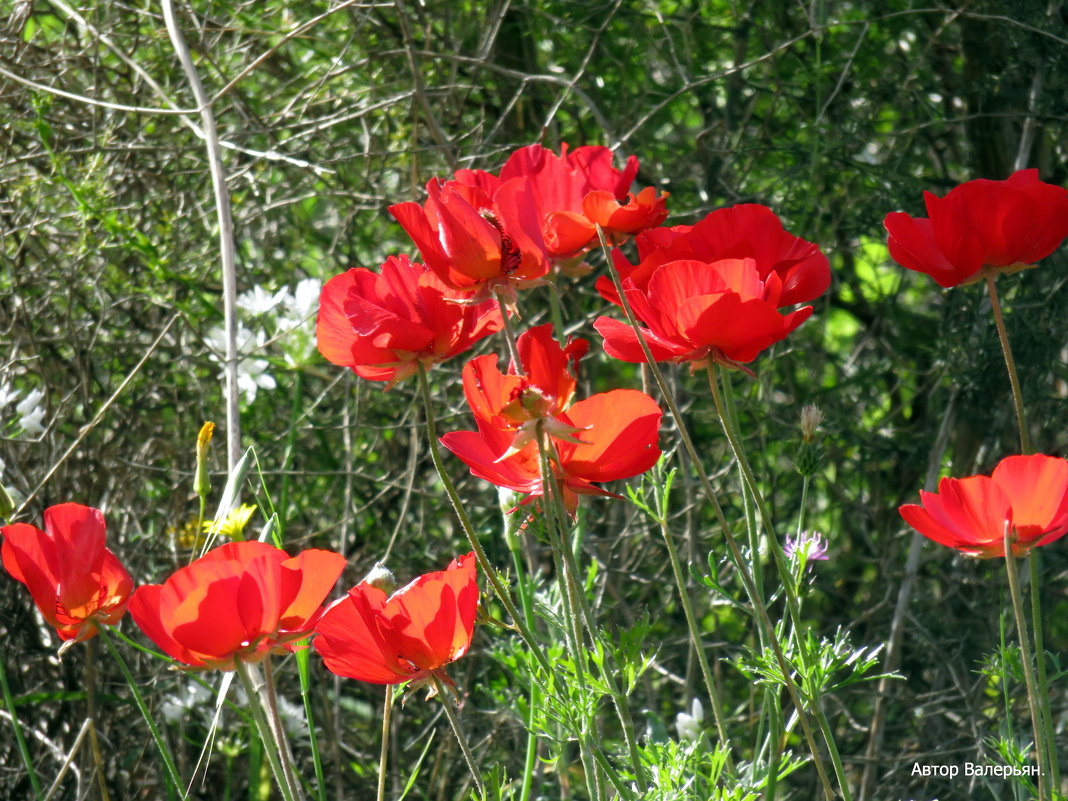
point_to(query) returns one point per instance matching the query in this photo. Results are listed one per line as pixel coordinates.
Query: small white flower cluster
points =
(30, 411)
(292, 308)
(283, 318)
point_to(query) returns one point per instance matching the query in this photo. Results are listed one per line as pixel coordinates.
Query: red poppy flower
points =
(517, 401)
(1027, 493)
(410, 635)
(559, 186)
(617, 438)
(76, 582)
(238, 602)
(475, 242)
(573, 191)
(745, 231)
(621, 219)
(383, 325)
(1000, 225)
(696, 312)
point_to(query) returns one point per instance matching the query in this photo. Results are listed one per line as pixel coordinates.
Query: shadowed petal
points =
(621, 428)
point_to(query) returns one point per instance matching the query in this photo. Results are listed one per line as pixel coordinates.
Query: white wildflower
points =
(252, 372)
(689, 723)
(258, 300)
(31, 412)
(7, 395)
(305, 298)
(297, 324)
(188, 697)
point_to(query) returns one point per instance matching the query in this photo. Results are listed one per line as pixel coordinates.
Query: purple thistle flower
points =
(810, 546)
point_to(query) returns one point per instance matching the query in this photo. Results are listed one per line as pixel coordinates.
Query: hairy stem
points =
(383, 757)
(90, 705)
(695, 633)
(1043, 683)
(465, 523)
(744, 572)
(1010, 362)
(454, 722)
(263, 727)
(1041, 747)
(786, 577)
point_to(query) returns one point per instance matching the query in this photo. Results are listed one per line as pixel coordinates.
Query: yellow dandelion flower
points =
(233, 525)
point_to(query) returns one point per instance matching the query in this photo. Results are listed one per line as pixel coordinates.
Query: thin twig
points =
(226, 233)
(420, 88)
(68, 762)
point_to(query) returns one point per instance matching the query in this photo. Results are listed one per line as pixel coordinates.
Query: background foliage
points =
(832, 113)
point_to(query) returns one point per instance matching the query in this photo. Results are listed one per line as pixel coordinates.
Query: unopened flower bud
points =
(202, 483)
(381, 577)
(811, 417)
(809, 454)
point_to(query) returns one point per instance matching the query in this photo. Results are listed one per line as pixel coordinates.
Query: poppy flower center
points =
(511, 257)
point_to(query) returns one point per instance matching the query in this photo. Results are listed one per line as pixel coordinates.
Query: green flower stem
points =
(570, 596)
(695, 632)
(744, 573)
(472, 538)
(752, 529)
(1041, 747)
(450, 713)
(1010, 363)
(271, 747)
(608, 668)
(786, 577)
(270, 699)
(1043, 684)
(200, 520)
(777, 736)
(24, 750)
(805, 480)
(164, 752)
(524, 588)
(518, 621)
(383, 757)
(302, 658)
(555, 309)
(1036, 604)
(509, 332)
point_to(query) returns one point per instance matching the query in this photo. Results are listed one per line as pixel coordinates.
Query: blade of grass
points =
(20, 740)
(161, 745)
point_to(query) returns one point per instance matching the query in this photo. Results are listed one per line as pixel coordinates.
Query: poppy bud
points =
(381, 577)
